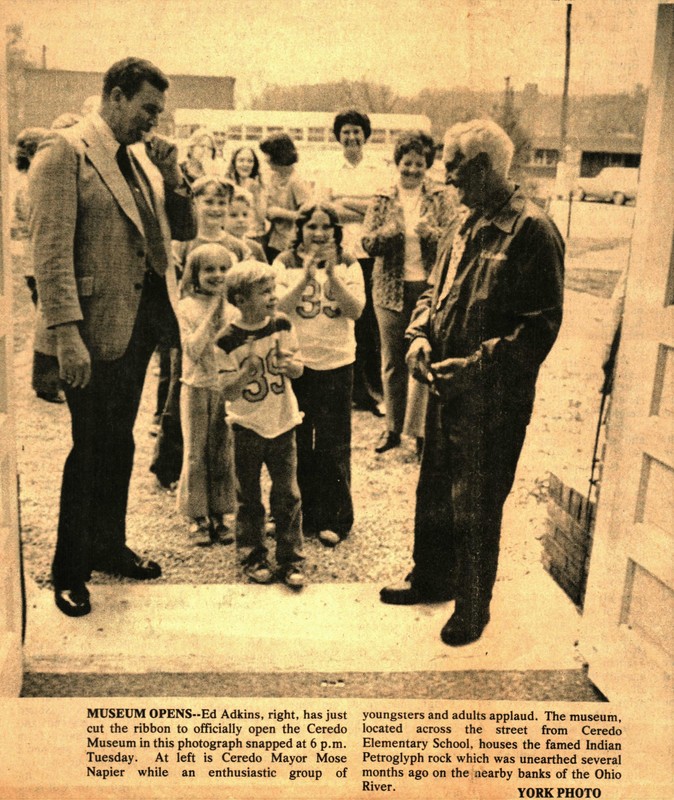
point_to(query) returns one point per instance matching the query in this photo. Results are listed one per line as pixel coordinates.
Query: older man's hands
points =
(447, 378)
(418, 360)
(453, 376)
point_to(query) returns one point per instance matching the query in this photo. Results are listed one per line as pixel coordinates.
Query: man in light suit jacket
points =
(101, 244)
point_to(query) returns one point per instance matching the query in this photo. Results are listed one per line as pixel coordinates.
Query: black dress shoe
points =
(387, 441)
(219, 531)
(131, 566)
(52, 397)
(461, 629)
(369, 405)
(73, 602)
(409, 594)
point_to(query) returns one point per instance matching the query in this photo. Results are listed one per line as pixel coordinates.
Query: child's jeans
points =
(279, 455)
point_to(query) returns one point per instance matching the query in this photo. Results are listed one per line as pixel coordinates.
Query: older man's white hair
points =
(480, 136)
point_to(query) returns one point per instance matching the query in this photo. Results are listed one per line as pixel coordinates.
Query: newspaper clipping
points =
(318, 539)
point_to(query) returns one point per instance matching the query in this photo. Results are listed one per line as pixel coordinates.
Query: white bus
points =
(305, 128)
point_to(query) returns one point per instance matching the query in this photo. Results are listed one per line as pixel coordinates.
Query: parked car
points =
(612, 185)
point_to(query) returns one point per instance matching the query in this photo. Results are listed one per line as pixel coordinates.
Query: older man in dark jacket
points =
(478, 336)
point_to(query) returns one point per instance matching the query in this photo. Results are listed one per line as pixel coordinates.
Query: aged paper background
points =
(42, 738)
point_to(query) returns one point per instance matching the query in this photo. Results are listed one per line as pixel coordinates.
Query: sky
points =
(406, 44)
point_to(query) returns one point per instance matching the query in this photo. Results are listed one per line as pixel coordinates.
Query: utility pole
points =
(565, 94)
(44, 56)
(563, 183)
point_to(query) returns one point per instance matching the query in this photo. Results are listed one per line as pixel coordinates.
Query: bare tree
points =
(364, 95)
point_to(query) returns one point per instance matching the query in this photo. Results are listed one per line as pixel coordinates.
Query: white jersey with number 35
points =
(268, 404)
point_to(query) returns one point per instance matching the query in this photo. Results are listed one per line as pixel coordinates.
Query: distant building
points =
(46, 93)
(591, 148)
(592, 153)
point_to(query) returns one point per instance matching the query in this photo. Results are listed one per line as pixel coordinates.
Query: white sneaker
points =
(330, 538)
(293, 577)
(259, 572)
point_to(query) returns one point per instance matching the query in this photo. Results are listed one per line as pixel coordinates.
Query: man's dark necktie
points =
(156, 252)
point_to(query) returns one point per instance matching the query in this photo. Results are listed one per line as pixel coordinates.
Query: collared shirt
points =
(361, 179)
(497, 293)
(112, 146)
(105, 132)
(356, 180)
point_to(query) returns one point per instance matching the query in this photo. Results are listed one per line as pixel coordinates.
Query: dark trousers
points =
(324, 448)
(279, 455)
(96, 475)
(367, 387)
(467, 470)
(164, 380)
(167, 458)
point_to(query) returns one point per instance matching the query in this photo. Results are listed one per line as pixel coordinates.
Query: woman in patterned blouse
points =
(401, 231)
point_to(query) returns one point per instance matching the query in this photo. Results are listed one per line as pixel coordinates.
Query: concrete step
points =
(324, 633)
(571, 685)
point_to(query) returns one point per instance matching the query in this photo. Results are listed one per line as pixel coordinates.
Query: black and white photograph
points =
(336, 399)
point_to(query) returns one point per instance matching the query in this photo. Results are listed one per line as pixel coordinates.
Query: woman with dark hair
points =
(352, 129)
(286, 193)
(244, 171)
(350, 184)
(401, 231)
(200, 156)
(321, 288)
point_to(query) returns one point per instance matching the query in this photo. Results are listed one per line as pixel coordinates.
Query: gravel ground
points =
(560, 440)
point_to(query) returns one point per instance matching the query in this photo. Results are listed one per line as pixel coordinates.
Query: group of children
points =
(267, 374)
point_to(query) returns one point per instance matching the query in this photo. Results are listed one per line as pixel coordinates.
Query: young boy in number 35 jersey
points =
(261, 358)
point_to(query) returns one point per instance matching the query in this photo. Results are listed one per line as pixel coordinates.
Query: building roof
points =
(214, 118)
(615, 143)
